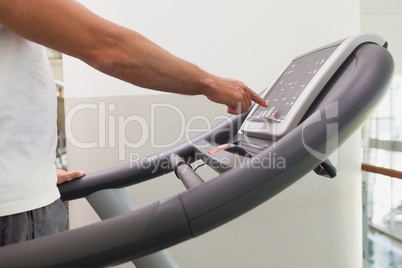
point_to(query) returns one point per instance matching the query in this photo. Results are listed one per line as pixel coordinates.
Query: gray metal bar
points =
(185, 173)
(113, 202)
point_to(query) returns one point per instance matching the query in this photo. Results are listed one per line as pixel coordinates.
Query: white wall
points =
(385, 18)
(250, 41)
(314, 223)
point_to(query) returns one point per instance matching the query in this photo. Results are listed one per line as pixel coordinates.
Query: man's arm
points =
(71, 28)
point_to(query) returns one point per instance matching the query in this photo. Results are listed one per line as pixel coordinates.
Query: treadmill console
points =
(289, 99)
(299, 85)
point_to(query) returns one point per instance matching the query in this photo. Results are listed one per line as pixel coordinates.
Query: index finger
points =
(257, 99)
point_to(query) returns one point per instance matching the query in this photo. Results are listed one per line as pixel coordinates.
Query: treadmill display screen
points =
(287, 89)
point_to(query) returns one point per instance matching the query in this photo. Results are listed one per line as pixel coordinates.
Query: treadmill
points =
(341, 83)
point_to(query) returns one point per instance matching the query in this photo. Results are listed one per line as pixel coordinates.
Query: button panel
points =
(284, 94)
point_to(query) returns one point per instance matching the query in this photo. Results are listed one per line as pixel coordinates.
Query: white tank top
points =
(28, 131)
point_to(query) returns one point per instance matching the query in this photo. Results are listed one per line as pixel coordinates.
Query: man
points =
(29, 199)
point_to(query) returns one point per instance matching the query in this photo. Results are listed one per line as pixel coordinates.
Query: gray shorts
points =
(33, 224)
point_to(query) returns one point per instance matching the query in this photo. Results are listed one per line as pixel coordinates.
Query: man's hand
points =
(234, 94)
(63, 176)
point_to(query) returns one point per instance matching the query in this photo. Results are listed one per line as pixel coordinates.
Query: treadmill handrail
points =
(146, 168)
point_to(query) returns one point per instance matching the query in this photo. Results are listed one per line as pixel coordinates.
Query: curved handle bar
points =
(147, 168)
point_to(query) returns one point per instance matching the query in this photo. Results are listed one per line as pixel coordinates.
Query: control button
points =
(273, 114)
(264, 113)
(268, 114)
(217, 149)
